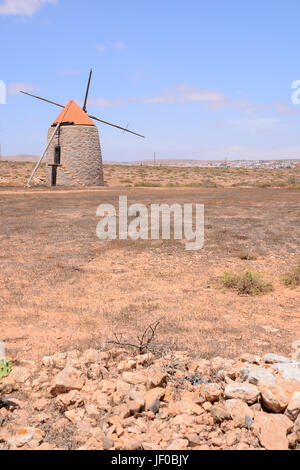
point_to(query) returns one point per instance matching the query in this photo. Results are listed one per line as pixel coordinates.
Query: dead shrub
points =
(245, 256)
(143, 342)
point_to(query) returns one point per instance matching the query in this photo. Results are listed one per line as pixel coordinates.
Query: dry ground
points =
(61, 288)
(16, 174)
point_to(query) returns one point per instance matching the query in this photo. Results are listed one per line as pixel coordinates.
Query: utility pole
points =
(154, 158)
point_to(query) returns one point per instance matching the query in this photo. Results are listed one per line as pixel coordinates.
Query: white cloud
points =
(101, 47)
(255, 124)
(15, 88)
(100, 102)
(71, 72)
(215, 100)
(22, 7)
(118, 45)
(115, 45)
(186, 93)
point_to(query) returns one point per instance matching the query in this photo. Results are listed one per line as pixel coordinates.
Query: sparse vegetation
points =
(124, 285)
(247, 282)
(15, 173)
(147, 184)
(292, 279)
(245, 256)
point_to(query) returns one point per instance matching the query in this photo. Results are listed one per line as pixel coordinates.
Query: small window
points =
(57, 152)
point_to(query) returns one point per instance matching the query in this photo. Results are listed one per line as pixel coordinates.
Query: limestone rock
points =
(293, 409)
(101, 400)
(243, 391)
(250, 358)
(134, 378)
(40, 404)
(73, 399)
(256, 375)
(296, 427)
(185, 407)
(296, 356)
(239, 411)
(75, 416)
(179, 444)
(152, 396)
(26, 436)
(156, 378)
(290, 370)
(220, 414)
(274, 359)
(19, 375)
(212, 392)
(124, 366)
(272, 430)
(273, 397)
(67, 380)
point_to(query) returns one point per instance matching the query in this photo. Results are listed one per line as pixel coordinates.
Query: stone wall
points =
(81, 157)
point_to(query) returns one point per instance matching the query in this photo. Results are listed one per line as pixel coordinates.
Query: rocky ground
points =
(115, 400)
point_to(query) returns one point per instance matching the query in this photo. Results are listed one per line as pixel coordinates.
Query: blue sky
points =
(202, 80)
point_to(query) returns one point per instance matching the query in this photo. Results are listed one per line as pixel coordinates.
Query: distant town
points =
(252, 164)
(246, 164)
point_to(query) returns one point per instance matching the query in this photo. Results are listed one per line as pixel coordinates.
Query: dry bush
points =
(245, 256)
(292, 279)
(143, 342)
(247, 282)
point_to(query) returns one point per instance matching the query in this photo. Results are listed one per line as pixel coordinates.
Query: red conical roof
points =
(72, 113)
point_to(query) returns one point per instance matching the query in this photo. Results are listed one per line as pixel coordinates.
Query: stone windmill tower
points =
(73, 151)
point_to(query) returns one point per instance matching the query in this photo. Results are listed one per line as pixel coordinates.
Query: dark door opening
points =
(54, 175)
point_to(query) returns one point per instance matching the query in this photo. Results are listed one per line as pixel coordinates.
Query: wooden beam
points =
(43, 154)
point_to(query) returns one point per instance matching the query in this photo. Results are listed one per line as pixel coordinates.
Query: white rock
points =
(290, 370)
(275, 358)
(256, 375)
(242, 391)
(250, 358)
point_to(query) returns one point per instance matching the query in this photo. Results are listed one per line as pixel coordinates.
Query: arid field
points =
(61, 288)
(17, 173)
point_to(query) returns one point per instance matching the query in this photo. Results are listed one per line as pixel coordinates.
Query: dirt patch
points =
(61, 288)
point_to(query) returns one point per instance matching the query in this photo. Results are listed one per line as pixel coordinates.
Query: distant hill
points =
(21, 158)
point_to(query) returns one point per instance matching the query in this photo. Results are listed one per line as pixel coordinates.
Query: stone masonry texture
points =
(81, 157)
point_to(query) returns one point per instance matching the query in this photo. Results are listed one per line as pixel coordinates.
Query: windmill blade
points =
(43, 99)
(118, 127)
(92, 117)
(87, 91)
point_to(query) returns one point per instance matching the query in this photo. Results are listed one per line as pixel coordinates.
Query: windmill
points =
(73, 151)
